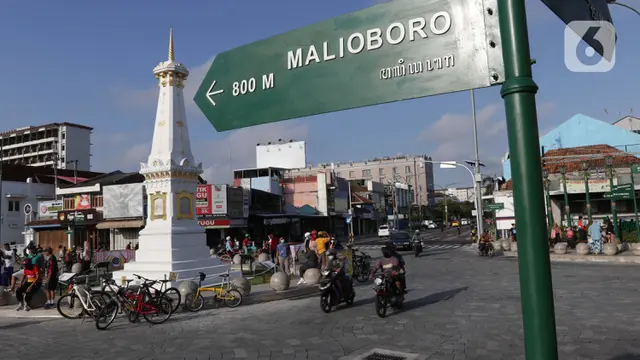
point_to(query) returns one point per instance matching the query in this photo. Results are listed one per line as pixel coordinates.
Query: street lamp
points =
(563, 171)
(614, 212)
(585, 173)
(547, 186)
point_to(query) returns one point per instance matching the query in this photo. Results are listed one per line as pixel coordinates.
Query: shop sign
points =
(203, 200)
(77, 217)
(278, 221)
(82, 202)
(214, 222)
(219, 200)
(49, 209)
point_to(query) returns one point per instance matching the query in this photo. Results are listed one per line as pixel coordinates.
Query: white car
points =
(433, 226)
(464, 222)
(383, 231)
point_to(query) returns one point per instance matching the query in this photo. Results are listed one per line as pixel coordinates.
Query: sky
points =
(91, 63)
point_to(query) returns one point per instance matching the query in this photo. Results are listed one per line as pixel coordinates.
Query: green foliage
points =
(630, 236)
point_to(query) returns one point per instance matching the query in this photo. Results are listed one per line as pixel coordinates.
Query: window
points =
(395, 170)
(381, 171)
(14, 205)
(407, 169)
(62, 147)
(366, 172)
(63, 135)
(352, 174)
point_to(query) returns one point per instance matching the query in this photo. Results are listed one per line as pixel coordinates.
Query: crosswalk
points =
(426, 247)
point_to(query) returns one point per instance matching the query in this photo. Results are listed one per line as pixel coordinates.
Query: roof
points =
(572, 159)
(113, 178)
(41, 174)
(358, 199)
(36, 127)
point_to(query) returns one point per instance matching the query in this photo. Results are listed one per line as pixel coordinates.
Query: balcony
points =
(96, 202)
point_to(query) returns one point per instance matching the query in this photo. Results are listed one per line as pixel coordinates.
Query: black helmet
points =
(386, 252)
(390, 246)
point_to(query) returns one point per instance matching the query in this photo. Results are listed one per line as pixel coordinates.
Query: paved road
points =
(460, 307)
(449, 236)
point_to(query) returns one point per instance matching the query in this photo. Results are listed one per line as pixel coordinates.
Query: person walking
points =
(8, 262)
(283, 255)
(51, 278)
(596, 238)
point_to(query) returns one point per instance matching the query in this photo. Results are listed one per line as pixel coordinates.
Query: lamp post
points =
(614, 212)
(547, 186)
(563, 171)
(585, 173)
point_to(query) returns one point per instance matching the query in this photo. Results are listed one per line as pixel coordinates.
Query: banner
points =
(203, 200)
(49, 209)
(219, 200)
(595, 185)
(82, 202)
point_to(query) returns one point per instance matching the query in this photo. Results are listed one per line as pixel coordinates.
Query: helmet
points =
(390, 246)
(307, 235)
(386, 252)
(228, 238)
(417, 232)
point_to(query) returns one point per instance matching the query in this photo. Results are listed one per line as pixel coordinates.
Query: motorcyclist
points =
(485, 243)
(416, 240)
(339, 267)
(474, 235)
(391, 266)
(228, 245)
(335, 244)
(401, 276)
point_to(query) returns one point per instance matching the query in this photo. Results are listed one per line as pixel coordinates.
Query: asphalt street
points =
(460, 306)
(429, 237)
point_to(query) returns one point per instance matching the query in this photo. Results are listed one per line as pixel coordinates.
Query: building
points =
(65, 144)
(222, 211)
(581, 130)
(461, 194)
(410, 170)
(265, 179)
(629, 123)
(172, 243)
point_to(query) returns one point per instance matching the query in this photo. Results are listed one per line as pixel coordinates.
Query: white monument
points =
(172, 240)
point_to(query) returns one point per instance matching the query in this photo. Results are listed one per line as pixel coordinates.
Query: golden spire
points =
(171, 55)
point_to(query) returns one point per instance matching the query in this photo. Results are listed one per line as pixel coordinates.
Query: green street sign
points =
(584, 10)
(622, 188)
(494, 207)
(635, 169)
(393, 51)
(618, 195)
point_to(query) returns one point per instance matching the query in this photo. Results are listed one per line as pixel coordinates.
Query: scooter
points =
(330, 295)
(387, 295)
(417, 247)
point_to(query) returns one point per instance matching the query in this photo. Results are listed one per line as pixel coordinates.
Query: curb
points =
(282, 295)
(601, 259)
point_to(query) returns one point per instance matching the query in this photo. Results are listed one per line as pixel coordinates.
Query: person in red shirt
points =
(274, 246)
(51, 278)
(245, 242)
(29, 284)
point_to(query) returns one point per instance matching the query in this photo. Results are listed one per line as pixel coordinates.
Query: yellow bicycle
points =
(231, 297)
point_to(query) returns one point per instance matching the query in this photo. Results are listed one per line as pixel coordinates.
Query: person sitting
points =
(391, 266)
(485, 243)
(312, 262)
(402, 274)
(339, 267)
(30, 283)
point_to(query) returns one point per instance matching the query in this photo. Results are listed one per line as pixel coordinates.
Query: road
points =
(431, 238)
(460, 306)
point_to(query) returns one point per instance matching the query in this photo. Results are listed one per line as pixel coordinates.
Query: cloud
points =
(451, 137)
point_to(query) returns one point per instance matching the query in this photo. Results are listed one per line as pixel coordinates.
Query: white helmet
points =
(228, 238)
(307, 234)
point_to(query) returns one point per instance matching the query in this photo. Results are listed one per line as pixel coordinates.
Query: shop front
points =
(217, 229)
(122, 232)
(81, 227)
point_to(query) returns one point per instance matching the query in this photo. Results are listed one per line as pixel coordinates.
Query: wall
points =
(290, 155)
(122, 201)
(341, 197)
(77, 147)
(24, 193)
(300, 193)
(505, 197)
(267, 184)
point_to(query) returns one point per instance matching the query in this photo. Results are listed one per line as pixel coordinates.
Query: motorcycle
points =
(361, 265)
(417, 247)
(489, 252)
(329, 293)
(387, 295)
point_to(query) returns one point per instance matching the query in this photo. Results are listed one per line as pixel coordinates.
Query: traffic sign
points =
(393, 51)
(623, 187)
(619, 195)
(635, 169)
(582, 10)
(494, 207)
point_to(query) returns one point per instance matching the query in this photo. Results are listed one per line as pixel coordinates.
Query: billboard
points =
(82, 202)
(219, 200)
(203, 200)
(123, 201)
(235, 202)
(49, 209)
(285, 155)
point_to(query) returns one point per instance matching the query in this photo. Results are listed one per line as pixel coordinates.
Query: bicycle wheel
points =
(163, 311)
(193, 303)
(100, 299)
(232, 298)
(70, 307)
(174, 297)
(107, 314)
(225, 258)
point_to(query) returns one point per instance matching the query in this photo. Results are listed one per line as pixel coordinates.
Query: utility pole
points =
(350, 214)
(478, 177)
(75, 170)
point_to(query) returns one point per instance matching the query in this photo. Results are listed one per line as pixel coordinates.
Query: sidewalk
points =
(621, 258)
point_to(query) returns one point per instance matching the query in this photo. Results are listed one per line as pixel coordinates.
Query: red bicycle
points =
(154, 309)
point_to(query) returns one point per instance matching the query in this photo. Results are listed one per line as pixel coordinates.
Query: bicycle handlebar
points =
(147, 282)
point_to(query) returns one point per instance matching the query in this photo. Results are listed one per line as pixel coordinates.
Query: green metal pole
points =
(567, 208)
(549, 211)
(614, 211)
(519, 94)
(587, 195)
(635, 201)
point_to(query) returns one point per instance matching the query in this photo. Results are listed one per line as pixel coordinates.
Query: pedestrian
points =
(30, 283)
(596, 238)
(571, 241)
(128, 247)
(283, 255)
(8, 262)
(312, 262)
(51, 278)
(512, 233)
(273, 243)
(610, 231)
(86, 256)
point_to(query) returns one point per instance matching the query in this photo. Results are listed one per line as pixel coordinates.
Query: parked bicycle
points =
(231, 297)
(172, 294)
(81, 299)
(122, 302)
(148, 305)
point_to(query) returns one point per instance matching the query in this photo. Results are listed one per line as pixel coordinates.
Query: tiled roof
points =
(358, 199)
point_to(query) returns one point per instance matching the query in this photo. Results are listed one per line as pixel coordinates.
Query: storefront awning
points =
(44, 226)
(123, 224)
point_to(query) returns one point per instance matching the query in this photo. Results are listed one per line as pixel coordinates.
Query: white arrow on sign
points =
(211, 93)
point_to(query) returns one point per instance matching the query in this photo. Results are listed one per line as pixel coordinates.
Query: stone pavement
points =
(460, 306)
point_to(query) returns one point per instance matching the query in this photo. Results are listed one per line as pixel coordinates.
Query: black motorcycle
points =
(361, 265)
(330, 294)
(486, 249)
(387, 294)
(417, 247)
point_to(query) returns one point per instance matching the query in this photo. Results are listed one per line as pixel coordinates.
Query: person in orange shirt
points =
(322, 243)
